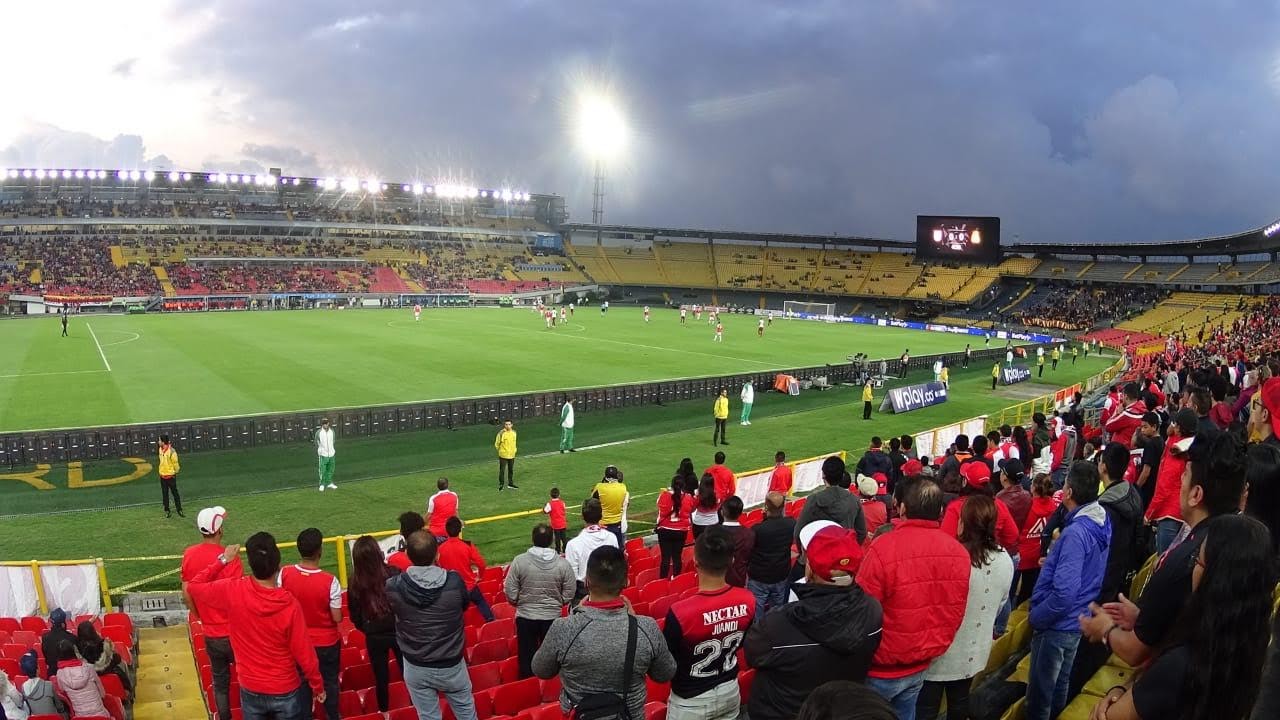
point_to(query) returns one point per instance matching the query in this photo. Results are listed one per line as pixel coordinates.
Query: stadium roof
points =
(759, 237)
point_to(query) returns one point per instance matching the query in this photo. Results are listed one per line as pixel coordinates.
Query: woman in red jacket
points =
(977, 480)
(675, 505)
(1043, 503)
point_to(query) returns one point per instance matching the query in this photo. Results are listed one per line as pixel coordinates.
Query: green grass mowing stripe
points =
(658, 437)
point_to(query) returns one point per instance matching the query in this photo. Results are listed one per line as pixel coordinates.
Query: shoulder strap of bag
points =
(630, 666)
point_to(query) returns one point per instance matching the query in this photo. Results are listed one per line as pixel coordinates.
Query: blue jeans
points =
(453, 682)
(900, 693)
(1166, 531)
(477, 599)
(1053, 652)
(768, 595)
(256, 706)
(1002, 617)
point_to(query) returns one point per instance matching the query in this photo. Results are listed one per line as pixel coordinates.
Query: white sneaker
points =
(743, 423)
(332, 486)
(321, 488)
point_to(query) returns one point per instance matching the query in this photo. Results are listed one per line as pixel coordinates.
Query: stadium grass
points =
(273, 488)
(124, 369)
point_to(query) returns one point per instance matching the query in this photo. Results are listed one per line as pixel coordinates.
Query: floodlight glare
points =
(40, 174)
(350, 184)
(13, 174)
(600, 128)
(472, 192)
(373, 185)
(135, 175)
(149, 175)
(173, 177)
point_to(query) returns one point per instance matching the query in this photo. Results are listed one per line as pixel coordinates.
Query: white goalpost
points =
(794, 308)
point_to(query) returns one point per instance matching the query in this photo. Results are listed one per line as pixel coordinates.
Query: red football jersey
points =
(704, 632)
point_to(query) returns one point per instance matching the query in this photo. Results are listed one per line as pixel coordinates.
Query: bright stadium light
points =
(417, 188)
(27, 174)
(472, 192)
(149, 175)
(373, 185)
(350, 185)
(135, 175)
(173, 177)
(40, 174)
(431, 190)
(13, 174)
(220, 178)
(186, 177)
(600, 128)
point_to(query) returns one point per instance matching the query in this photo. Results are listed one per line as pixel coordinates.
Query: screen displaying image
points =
(975, 239)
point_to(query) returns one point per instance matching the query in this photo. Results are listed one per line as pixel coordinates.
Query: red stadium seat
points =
(494, 572)
(111, 683)
(497, 630)
(654, 590)
(357, 677)
(9, 666)
(352, 656)
(640, 609)
(472, 617)
(484, 705)
(8, 624)
(366, 716)
(634, 544)
(510, 669)
(490, 588)
(645, 577)
(549, 712)
(350, 704)
(658, 608)
(13, 651)
(118, 619)
(4, 637)
(355, 638)
(551, 690)
(37, 625)
(510, 699)
(655, 711)
(470, 635)
(485, 676)
(25, 637)
(503, 611)
(114, 706)
(118, 634)
(404, 713)
(655, 691)
(491, 651)
(683, 582)
(45, 717)
(398, 696)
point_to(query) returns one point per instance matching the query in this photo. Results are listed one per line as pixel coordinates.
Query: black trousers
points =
(930, 699)
(529, 637)
(1055, 364)
(561, 540)
(378, 647)
(510, 466)
(671, 543)
(966, 362)
(1041, 373)
(866, 409)
(719, 431)
(330, 658)
(167, 486)
(220, 659)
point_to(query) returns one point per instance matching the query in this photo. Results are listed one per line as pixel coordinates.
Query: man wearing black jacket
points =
(770, 561)
(830, 633)
(428, 603)
(874, 460)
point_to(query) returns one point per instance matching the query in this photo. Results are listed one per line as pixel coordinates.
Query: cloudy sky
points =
(1081, 121)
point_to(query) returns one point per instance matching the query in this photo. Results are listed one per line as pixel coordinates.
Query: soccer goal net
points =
(793, 308)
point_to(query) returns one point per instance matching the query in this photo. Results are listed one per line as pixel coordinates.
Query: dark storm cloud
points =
(1074, 121)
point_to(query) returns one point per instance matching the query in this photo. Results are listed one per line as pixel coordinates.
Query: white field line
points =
(95, 342)
(56, 372)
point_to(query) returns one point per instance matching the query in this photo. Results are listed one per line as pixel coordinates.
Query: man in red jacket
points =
(217, 636)
(465, 559)
(320, 597)
(1124, 422)
(726, 483)
(920, 575)
(268, 632)
(781, 479)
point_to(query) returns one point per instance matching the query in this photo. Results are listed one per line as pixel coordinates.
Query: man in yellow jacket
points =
(867, 394)
(168, 469)
(721, 412)
(505, 444)
(995, 375)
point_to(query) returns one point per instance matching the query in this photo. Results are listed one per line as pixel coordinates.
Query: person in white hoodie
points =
(748, 396)
(11, 700)
(566, 426)
(539, 584)
(593, 535)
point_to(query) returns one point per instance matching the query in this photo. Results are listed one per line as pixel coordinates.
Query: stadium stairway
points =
(162, 276)
(168, 686)
(117, 256)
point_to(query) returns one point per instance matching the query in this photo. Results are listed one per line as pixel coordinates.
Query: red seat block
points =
(511, 698)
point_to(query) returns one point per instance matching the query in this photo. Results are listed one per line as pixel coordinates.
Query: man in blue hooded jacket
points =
(1070, 579)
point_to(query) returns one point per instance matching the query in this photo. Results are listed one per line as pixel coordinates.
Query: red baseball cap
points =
(832, 550)
(976, 474)
(912, 467)
(1270, 391)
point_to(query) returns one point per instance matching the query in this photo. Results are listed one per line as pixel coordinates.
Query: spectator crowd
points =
(1082, 308)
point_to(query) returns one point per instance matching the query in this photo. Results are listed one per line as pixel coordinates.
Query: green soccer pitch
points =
(144, 368)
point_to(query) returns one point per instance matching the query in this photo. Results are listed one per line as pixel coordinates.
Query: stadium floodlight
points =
(65, 174)
(350, 185)
(173, 177)
(373, 185)
(40, 174)
(135, 175)
(472, 192)
(27, 174)
(149, 175)
(13, 174)
(418, 189)
(600, 128)
(431, 190)
(220, 178)
(102, 174)
(297, 181)
(79, 174)
(506, 196)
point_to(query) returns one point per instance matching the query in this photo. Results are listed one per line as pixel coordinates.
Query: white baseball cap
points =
(209, 521)
(808, 531)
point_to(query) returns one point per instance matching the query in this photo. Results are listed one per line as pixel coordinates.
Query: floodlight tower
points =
(602, 135)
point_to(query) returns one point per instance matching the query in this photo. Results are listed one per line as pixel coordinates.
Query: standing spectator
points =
(1211, 668)
(602, 649)
(707, 512)
(1124, 512)
(1013, 495)
(781, 479)
(921, 578)
(675, 506)
(613, 496)
(168, 469)
(440, 507)
(748, 398)
(320, 597)
(50, 641)
(896, 459)
(829, 633)
(720, 413)
(1040, 435)
(428, 603)
(1149, 447)
(833, 502)
(1165, 511)
(591, 537)
(505, 444)
(371, 612)
(566, 426)
(1070, 578)
(874, 460)
(705, 686)
(410, 523)
(217, 635)
(874, 508)
(326, 453)
(726, 482)
(463, 557)
(868, 394)
(990, 575)
(101, 653)
(977, 481)
(77, 679)
(1265, 412)
(1125, 421)
(268, 631)
(557, 515)
(743, 541)
(908, 447)
(539, 584)
(770, 562)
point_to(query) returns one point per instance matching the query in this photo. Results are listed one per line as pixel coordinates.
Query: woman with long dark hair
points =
(707, 511)
(990, 574)
(101, 653)
(675, 506)
(1024, 444)
(1210, 668)
(688, 476)
(1263, 498)
(371, 611)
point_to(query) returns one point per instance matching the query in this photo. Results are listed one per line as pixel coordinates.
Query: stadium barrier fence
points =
(82, 586)
(25, 448)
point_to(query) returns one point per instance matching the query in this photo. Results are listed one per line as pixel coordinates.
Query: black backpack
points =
(611, 706)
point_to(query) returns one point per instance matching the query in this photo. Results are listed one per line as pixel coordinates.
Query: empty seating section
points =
(687, 264)
(738, 266)
(890, 275)
(1054, 269)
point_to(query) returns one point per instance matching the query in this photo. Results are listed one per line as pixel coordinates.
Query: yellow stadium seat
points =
(1106, 678)
(1021, 635)
(1080, 708)
(1140, 579)
(1022, 673)
(1016, 711)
